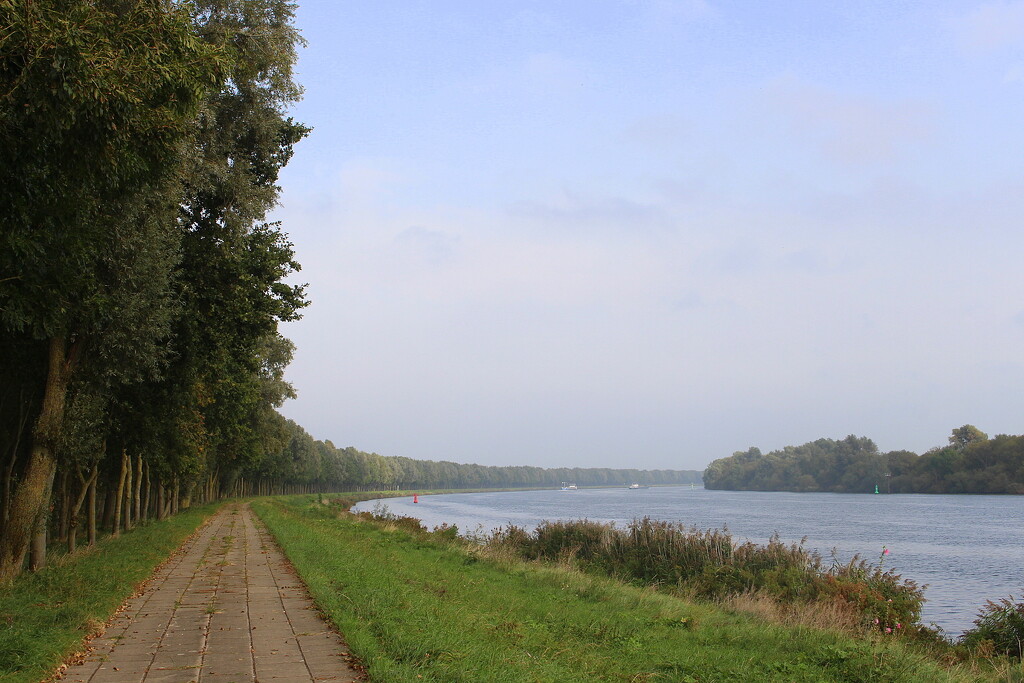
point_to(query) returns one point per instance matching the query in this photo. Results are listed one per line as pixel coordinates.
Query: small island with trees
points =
(971, 463)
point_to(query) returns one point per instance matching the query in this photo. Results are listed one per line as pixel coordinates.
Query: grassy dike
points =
(422, 607)
(45, 616)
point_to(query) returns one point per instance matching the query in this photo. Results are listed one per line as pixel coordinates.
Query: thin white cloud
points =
(550, 72)
(992, 26)
(572, 214)
(1015, 74)
(428, 246)
(362, 181)
(847, 128)
(529, 78)
(658, 131)
(661, 15)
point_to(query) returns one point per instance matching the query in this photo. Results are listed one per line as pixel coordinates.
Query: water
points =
(967, 549)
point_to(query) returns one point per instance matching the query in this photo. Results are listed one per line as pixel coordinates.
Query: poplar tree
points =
(96, 97)
(234, 263)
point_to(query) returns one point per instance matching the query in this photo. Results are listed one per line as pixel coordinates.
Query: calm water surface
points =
(966, 548)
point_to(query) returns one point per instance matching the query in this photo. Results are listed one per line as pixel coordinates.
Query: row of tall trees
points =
(970, 463)
(140, 285)
(312, 465)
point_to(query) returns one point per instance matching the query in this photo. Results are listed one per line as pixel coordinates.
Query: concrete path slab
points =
(226, 608)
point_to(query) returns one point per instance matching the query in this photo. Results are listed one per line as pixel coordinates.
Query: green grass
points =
(710, 564)
(417, 607)
(45, 616)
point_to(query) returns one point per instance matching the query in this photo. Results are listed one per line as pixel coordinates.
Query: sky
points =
(627, 233)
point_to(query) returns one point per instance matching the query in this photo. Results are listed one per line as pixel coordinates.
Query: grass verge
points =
(46, 616)
(427, 607)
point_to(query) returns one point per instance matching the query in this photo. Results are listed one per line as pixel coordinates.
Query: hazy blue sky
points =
(626, 233)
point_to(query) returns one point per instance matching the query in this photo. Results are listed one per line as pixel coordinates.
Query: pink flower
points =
(876, 621)
(888, 630)
(898, 626)
(885, 551)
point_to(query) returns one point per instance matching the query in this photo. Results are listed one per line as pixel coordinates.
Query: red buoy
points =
(415, 498)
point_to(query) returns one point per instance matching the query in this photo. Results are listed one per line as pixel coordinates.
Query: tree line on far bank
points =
(971, 463)
(312, 465)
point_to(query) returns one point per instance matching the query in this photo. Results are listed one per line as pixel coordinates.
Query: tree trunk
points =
(87, 485)
(108, 502)
(31, 499)
(160, 512)
(64, 519)
(24, 414)
(149, 490)
(37, 558)
(138, 488)
(5, 514)
(92, 507)
(129, 489)
(119, 497)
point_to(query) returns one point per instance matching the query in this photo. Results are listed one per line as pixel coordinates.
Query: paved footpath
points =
(226, 608)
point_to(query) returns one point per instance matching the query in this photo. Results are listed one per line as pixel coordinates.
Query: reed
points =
(999, 629)
(710, 564)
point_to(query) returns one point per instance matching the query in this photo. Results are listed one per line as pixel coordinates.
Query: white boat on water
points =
(637, 486)
(569, 487)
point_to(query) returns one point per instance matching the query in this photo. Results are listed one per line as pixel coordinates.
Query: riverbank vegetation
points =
(970, 463)
(709, 564)
(450, 609)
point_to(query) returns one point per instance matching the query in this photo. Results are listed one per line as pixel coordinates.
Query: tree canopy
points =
(140, 284)
(972, 463)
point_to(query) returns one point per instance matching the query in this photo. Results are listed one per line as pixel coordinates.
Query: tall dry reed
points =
(710, 564)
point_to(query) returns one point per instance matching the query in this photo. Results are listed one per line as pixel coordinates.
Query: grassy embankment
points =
(427, 607)
(45, 616)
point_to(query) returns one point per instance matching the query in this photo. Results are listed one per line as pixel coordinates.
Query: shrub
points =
(446, 532)
(999, 626)
(381, 513)
(708, 564)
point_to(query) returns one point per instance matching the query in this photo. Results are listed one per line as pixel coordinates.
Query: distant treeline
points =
(971, 463)
(320, 465)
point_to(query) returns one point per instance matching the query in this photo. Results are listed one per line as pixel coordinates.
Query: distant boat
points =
(638, 486)
(569, 487)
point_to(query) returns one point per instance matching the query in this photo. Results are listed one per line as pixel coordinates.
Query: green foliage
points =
(142, 143)
(999, 627)
(349, 469)
(973, 463)
(965, 436)
(86, 117)
(709, 564)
